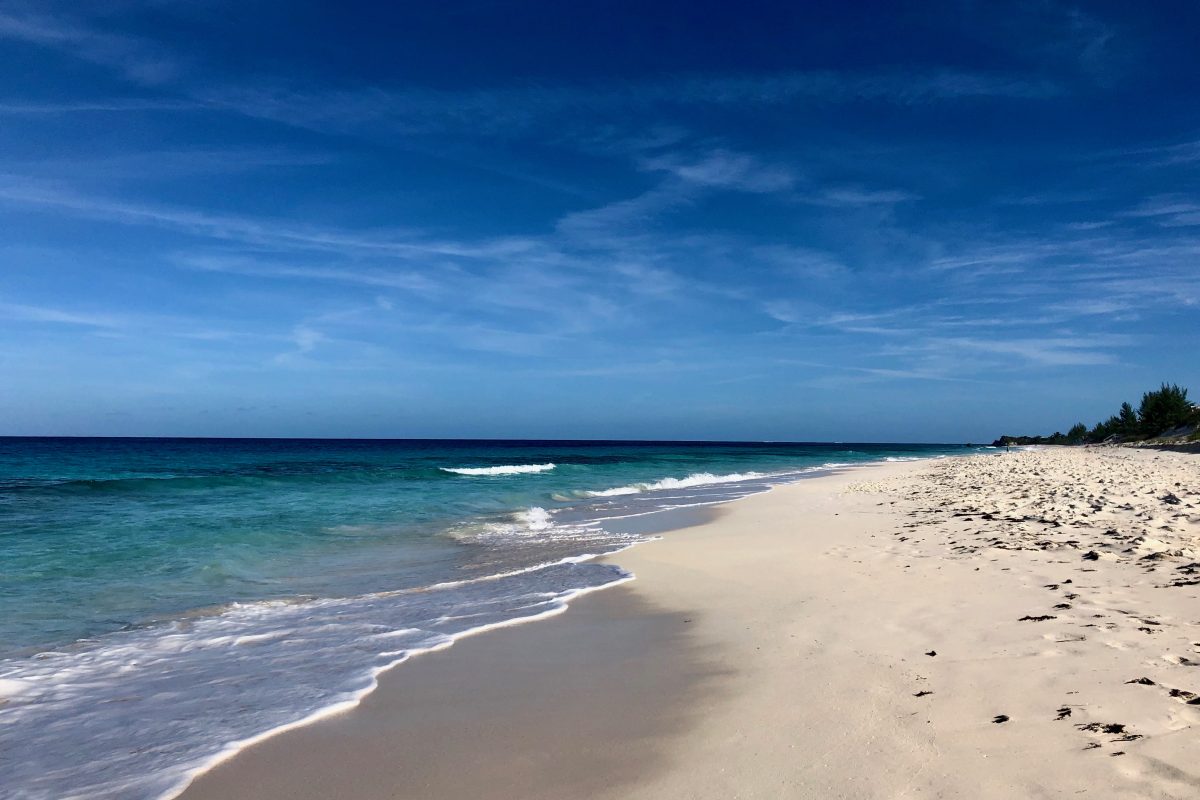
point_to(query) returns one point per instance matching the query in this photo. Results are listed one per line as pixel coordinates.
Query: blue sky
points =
(595, 219)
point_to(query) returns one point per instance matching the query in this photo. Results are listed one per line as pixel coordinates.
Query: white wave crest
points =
(508, 469)
(534, 522)
(535, 518)
(696, 479)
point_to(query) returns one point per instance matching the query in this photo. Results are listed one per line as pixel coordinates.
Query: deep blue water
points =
(193, 593)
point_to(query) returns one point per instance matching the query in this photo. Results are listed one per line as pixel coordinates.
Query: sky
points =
(597, 219)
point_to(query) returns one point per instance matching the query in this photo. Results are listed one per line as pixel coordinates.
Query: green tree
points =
(1105, 429)
(1127, 421)
(1164, 409)
(1077, 433)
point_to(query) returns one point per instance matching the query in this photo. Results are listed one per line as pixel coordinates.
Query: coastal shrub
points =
(1164, 409)
(1124, 424)
(1103, 430)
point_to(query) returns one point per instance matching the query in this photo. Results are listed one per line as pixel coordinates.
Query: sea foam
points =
(533, 525)
(695, 479)
(331, 650)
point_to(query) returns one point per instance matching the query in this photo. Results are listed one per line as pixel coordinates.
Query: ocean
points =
(165, 602)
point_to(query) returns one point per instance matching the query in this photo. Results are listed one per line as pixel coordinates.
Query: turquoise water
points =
(193, 594)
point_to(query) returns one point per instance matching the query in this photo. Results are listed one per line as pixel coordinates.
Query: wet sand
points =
(570, 706)
(963, 628)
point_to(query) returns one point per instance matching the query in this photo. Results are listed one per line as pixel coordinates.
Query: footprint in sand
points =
(1180, 661)
(1112, 728)
(1183, 695)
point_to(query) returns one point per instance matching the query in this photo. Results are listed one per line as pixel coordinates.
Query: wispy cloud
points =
(874, 374)
(1055, 351)
(404, 279)
(32, 313)
(303, 339)
(1059, 35)
(1153, 155)
(1168, 210)
(108, 106)
(138, 60)
(648, 261)
(123, 166)
(628, 214)
(901, 86)
(145, 62)
(846, 196)
(595, 262)
(378, 110)
(723, 169)
(249, 230)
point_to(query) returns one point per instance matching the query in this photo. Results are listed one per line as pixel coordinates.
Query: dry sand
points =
(1015, 625)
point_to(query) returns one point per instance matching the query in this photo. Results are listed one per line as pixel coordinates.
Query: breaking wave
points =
(532, 524)
(508, 469)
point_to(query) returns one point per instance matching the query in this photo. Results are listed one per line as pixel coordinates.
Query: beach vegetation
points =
(1077, 434)
(1161, 410)
(1127, 421)
(1164, 409)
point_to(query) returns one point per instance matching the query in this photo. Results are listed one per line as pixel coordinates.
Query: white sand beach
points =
(1022, 624)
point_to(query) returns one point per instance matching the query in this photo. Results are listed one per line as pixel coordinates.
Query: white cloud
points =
(723, 169)
(857, 196)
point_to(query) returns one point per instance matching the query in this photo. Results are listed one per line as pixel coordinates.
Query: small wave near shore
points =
(695, 479)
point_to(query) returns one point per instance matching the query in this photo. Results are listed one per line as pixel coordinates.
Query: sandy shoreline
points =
(959, 628)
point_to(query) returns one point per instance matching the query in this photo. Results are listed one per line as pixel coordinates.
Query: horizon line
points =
(473, 439)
